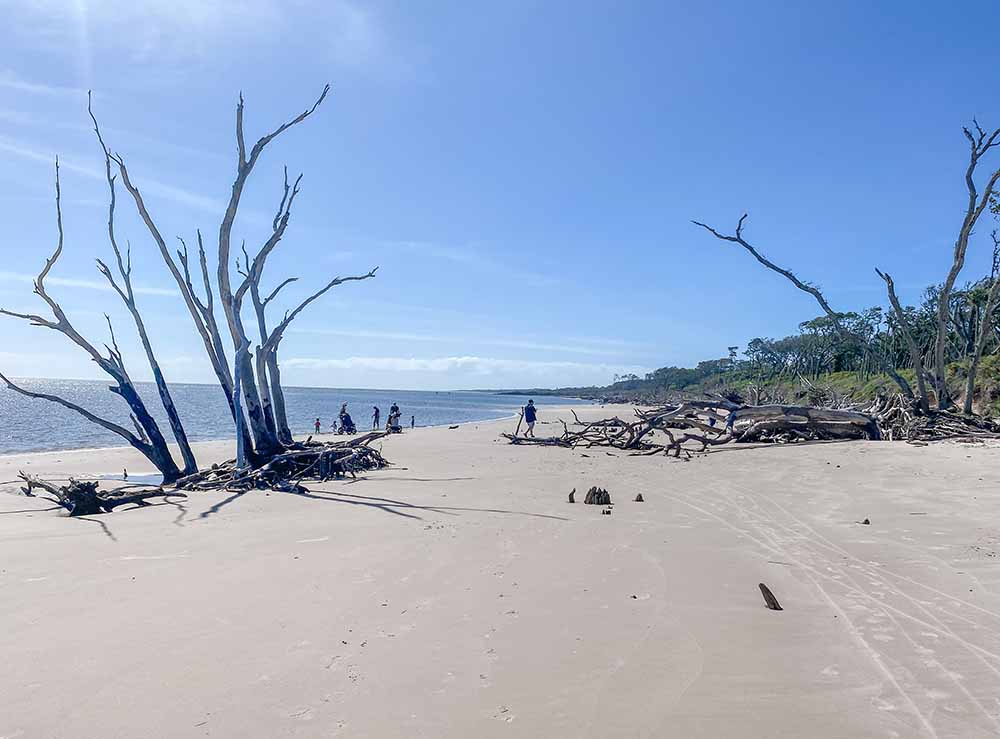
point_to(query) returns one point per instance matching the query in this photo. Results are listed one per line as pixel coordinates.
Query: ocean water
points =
(28, 425)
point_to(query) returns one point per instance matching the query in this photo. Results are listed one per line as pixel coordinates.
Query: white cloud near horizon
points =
(476, 365)
(598, 345)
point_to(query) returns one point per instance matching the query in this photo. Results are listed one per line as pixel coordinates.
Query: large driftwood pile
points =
(285, 472)
(309, 460)
(899, 419)
(695, 425)
(706, 423)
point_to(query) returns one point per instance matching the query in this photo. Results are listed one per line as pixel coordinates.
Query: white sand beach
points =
(459, 594)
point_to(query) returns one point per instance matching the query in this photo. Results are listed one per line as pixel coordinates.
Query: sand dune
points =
(458, 594)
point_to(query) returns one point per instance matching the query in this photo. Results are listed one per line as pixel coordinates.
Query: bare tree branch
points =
(265, 439)
(904, 325)
(127, 294)
(985, 332)
(275, 291)
(110, 426)
(276, 334)
(979, 144)
(815, 292)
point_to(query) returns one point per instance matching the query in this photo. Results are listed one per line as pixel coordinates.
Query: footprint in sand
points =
(503, 714)
(303, 714)
(883, 705)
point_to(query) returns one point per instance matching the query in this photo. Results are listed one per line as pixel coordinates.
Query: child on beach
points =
(317, 426)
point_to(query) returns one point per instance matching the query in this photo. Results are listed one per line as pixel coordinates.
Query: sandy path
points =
(458, 594)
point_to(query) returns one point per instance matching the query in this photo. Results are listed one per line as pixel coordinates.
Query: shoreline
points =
(208, 451)
(232, 439)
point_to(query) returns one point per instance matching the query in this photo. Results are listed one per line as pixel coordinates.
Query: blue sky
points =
(524, 173)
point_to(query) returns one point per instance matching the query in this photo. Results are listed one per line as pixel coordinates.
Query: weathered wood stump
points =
(597, 496)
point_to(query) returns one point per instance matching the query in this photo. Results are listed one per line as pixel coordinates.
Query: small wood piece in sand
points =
(866, 522)
(639, 498)
(769, 600)
(572, 494)
(452, 428)
(606, 512)
(597, 496)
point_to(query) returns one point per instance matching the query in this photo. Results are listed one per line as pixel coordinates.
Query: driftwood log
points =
(791, 422)
(83, 498)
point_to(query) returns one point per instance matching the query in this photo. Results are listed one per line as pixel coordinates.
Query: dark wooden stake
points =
(769, 598)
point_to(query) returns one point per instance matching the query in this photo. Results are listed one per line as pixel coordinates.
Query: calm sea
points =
(38, 425)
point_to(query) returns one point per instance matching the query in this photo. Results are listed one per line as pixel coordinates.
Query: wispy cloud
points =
(458, 364)
(112, 134)
(471, 257)
(153, 187)
(11, 81)
(168, 32)
(84, 284)
(581, 346)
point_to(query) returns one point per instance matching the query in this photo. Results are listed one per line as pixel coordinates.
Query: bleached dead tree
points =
(916, 356)
(266, 365)
(882, 361)
(985, 332)
(253, 386)
(127, 294)
(980, 142)
(147, 438)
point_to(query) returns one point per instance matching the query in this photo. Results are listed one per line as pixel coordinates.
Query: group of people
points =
(345, 424)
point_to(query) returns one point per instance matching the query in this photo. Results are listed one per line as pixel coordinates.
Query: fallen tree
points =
(709, 423)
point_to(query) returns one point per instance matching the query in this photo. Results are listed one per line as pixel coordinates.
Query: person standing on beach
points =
(413, 421)
(318, 426)
(375, 416)
(529, 418)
